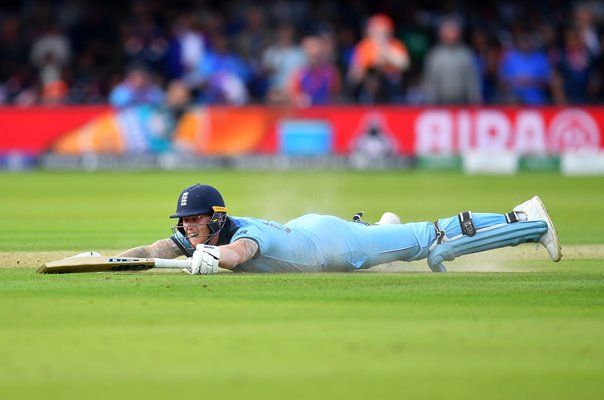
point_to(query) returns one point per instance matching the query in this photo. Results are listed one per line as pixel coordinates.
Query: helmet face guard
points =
(198, 200)
(215, 225)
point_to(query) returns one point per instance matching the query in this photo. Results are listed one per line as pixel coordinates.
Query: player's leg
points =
(472, 233)
(352, 245)
(374, 245)
(363, 246)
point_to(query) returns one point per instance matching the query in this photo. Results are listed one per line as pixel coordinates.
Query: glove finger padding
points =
(205, 260)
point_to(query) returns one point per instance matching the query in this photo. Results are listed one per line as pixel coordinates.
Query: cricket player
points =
(315, 243)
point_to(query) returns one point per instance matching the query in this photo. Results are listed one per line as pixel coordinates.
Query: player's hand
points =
(204, 261)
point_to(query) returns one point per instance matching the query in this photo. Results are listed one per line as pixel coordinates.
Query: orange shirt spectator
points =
(379, 51)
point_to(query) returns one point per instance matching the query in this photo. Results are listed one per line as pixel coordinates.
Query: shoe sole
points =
(552, 230)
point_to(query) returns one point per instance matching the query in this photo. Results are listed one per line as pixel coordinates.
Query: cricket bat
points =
(108, 264)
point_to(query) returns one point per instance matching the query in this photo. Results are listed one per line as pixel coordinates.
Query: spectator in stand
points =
(382, 54)
(575, 68)
(17, 76)
(280, 60)
(525, 74)
(224, 74)
(318, 82)
(185, 51)
(251, 42)
(54, 93)
(50, 53)
(137, 88)
(487, 54)
(177, 101)
(178, 98)
(145, 44)
(450, 72)
(84, 82)
(20, 88)
(583, 20)
(12, 48)
(104, 39)
(346, 45)
(597, 82)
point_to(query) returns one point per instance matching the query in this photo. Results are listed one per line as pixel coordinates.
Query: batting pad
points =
(486, 239)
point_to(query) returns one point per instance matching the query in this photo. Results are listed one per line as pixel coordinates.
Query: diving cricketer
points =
(316, 243)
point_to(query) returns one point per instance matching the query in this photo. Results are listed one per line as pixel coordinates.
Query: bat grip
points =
(163, 263)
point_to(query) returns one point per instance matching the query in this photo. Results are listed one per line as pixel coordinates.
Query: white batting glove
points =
(204, 260)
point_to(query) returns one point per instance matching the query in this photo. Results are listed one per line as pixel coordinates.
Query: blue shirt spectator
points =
(136, 89)
(224, 74)
(487, 54)
(186, 50)
(525, 74)
(575, 67)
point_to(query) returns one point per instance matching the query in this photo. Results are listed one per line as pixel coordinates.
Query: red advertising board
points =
(248, 130)
(549, 130)
(33, 130)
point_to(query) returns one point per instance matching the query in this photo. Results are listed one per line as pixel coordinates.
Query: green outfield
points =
(504, 325)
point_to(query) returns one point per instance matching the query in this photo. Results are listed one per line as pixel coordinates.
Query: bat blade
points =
(96, 264)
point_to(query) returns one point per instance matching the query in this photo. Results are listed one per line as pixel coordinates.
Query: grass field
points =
(504, 325)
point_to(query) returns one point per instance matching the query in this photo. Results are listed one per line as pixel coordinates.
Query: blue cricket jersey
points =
(316, 243)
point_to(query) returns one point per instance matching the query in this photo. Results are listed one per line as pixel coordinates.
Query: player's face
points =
(196, 228)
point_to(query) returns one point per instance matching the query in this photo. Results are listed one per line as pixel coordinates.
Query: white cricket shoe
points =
(389, 218)
(535, 211)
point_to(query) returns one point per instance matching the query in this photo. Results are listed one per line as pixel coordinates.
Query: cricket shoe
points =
(535, 211)
(389, 218)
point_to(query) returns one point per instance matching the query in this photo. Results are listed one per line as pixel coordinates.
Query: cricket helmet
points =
(201, 199)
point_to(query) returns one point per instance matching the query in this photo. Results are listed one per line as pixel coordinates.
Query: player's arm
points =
(207, 258)
(164, 248)
(236, 253)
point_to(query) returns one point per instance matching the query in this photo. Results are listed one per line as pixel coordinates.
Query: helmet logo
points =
(183, 199)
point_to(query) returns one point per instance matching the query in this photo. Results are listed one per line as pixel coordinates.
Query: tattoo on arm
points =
(250, 249)
(238, 252)
(164, 248)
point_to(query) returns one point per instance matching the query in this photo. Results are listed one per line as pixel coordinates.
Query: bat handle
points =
(163, 263)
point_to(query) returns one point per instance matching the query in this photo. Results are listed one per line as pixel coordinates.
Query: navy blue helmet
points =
(201, 200)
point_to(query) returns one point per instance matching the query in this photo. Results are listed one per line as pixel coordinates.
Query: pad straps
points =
(512, 217)
(358, 218)
(466, 224)
(440, 234)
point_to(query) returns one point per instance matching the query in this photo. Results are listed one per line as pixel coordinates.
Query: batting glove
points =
(204, 260)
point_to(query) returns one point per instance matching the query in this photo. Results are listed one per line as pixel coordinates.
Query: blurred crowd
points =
(301, 52)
